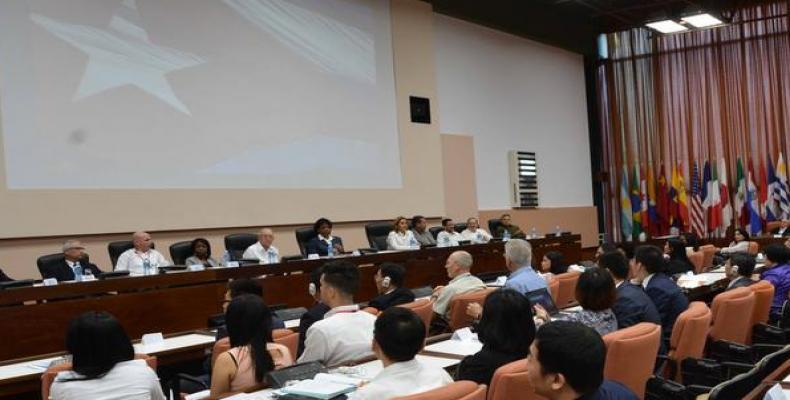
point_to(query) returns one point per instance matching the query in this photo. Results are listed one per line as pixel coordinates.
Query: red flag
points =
(663, 203)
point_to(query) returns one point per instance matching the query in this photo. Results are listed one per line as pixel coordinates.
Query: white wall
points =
(514, 94)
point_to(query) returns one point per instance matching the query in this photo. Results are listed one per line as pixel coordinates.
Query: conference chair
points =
(435, 230)
(631, 355)
(740, 385)
(697, 259)
(459, 227)
(461, 390)
(732, 315)
(761, 332)
(566, 293)
(458, 317)
(688, 338)
(236, 243)
(423, 308)
(377, 234)
(49, 262)
(754, 248)
(117, 248)
(708, 252)
(48, 376)
(287, 338)
(303, 235)
(554, 288)
(510, 382)
(771, 225)
(493, 224)
(180, 251)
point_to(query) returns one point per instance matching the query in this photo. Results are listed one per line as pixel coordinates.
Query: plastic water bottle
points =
(77, 272)
(557, 230)
(447, 240)
(506, 235)
(225, 258)
(87, 273)
(479, 237)
(534, 233)
(330, 251)
(413, 243)
(146, 267)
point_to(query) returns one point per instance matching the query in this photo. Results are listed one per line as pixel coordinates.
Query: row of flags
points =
(652, 207)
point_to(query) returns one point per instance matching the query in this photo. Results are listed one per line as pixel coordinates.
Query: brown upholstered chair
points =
(461, 390)
(732, 315)
(510, 382)
(631, 355)
(554, 288)
(708, 251)
(566, 294)
(458, 317)
(689, 335)
(697, 259)
(754, 248)
(423, 308)
(48, 377)
(763, 297)
(287, 338)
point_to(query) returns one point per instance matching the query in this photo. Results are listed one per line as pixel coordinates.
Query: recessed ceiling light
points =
(703, 20)
(667, 26)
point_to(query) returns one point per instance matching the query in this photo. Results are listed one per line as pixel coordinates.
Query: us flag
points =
(697, 214)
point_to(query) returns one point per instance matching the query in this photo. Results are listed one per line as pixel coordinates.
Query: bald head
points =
(459, 262)
(266, 237)
(141, 241)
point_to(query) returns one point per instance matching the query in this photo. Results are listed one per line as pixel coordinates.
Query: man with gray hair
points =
(262, 250)
(518, 260)
(74, 265)
(458, 265)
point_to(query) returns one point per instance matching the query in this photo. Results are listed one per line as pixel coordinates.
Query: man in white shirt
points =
(458, 266)
(345, 333)
(399, 335)
(141, 259)
(474, 233)
(448, 237)
(262, 250)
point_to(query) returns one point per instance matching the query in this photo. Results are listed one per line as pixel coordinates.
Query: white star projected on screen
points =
(122, 55)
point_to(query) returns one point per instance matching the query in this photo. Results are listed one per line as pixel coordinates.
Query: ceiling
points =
(573, 24)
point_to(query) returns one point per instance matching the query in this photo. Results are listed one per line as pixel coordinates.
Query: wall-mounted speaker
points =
(420, 110)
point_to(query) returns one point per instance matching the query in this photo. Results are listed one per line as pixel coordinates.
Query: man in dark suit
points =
(314, 313)
(783, 229)
(389, 283)
(323, 239)
(739, 269)
(669, 300)
(74, 261)
(632, 305)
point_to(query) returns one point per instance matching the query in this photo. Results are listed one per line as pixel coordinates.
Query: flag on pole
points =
(644, 200)
(705, 195)
(636, 204)
(652, 213)
(726, 206)
(740, 195)
(697, 223)
(753, 205)
(782, 191)
(663, 203)
(673, 198)
(714, 200)
(683, 209)
(771, 205)
(762, 189)
(626, 214)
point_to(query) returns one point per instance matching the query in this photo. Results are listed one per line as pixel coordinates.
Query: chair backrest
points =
(566, 293)
(554, 288)
(115, 249)
(689, 334)
(371, 310)
(377, 234)
(740, 385)
(708, 251)
(763, 297)
(48, 262)
(732, 315)
(493, 224)
(754, 248)
(435, 230)
(697, 259)
(459, 227)
(423, 308)
(48, 376)
(180, 251)
(236, 243)
(631, 355)
(304, 235)
(287, 338)
(510, 382)
(461, 390)
(458, 317)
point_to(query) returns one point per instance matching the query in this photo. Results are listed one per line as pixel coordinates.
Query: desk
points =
(183, 301)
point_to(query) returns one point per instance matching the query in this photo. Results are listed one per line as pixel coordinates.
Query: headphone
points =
(385, 283)
(734, 268)
(312, 289)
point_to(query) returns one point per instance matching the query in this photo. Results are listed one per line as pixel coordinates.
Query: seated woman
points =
(253, 353)
(552, 264)
(777, 271)
(400, 237)
(506, 330)
(596, 294)
(201, 254)
(323, 240)
(103, 364)
(677, 261)
(389, 282)
(740, 244)
(474, 233)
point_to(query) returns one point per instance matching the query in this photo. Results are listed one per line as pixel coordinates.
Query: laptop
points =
(278, 378)
(543, 297)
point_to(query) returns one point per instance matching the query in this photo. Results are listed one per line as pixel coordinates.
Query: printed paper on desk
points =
(464, 334)
(88, 278)
(50, 282)
(356, 253)
(153, 339)
(313, 256)
(232, 264)
(196, 267)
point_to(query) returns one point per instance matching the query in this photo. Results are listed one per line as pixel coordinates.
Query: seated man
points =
(669, 300)
(74, 265)
(262, 250)
(316, 312)
(474, 233)
(739, 269)
(458, 265)
(777, 271)
(448, 237)
(345, 333)
(324, 240)
(507, 230)
(399, 334)
(518, 260)
(783, 229)
(632, 305)
(141, 259)
(419, 228)
(389, 284)
(236, 288)
(566, 361)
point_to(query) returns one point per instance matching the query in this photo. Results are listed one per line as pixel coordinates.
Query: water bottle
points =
(534, 233)
(447, 240)
(557, 230)
(225, 258)
(330, 250)
(77, 272)
(506, 235)
(87, 273)
(479, 237)
(146, 267)
(413, 243)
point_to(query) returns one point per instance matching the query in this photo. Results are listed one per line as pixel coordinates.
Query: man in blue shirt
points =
(518, 260)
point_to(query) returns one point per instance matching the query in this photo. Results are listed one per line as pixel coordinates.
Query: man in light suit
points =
(74, 259)
(632, 305)
(739, 269)
(647, 264)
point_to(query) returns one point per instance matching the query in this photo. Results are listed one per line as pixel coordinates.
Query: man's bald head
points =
(141, 241)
